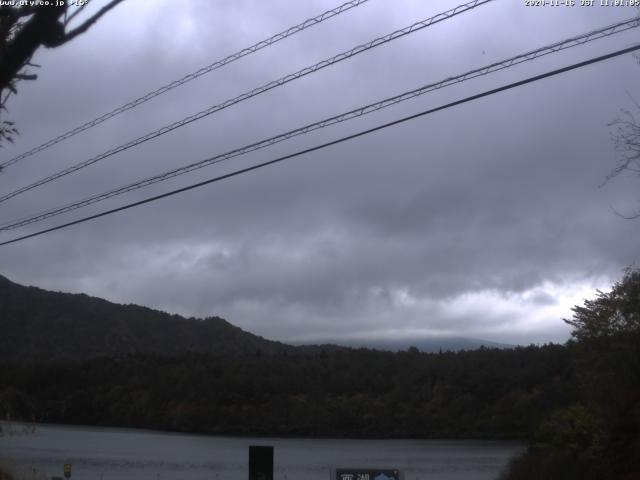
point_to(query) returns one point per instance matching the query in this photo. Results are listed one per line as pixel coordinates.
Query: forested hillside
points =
(488, 393)
(42, 325)
(72, 358)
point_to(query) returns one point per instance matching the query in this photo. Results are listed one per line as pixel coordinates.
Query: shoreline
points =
(127, 429)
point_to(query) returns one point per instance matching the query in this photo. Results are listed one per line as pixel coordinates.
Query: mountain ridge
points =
(38, 324)
(43, 325)
(424, 344)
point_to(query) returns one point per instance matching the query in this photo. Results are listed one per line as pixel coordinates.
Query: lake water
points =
(121, 454)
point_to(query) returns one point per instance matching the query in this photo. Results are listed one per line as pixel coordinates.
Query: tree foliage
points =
(486, 393)
(610, 314)
(599, 437)
(24, 29)
(575, 431)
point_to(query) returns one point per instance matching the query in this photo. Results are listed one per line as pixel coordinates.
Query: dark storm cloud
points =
(482, 220)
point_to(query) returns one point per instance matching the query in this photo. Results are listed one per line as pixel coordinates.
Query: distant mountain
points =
(428, 345)
(37, 324)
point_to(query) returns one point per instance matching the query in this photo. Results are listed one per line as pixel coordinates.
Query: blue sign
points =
(367, 474)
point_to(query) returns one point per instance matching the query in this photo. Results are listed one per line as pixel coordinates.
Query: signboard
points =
(367, 474)
(67, 470)
(260, 463)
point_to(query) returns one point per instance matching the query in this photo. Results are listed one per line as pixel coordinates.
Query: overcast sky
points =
(485, 220)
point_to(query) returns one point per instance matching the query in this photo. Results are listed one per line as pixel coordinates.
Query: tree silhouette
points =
(24, 29)
(627, 144)
(626, 139)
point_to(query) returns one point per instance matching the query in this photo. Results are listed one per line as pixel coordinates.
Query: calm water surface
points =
(119, 454)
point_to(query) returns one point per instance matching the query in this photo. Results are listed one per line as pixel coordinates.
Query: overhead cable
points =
(252, 93)
(494, 67)
(333, 142)
(310, 22)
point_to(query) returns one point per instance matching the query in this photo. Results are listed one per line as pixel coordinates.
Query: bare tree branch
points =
(43, 28)
(26, 76)
(23, 30)
(633, 216)
(90, 21)
(76, 12)
(626, 139)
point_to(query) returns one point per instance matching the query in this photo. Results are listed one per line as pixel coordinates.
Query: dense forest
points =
(488, 393)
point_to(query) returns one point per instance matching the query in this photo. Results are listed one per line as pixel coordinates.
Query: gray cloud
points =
(483, 220)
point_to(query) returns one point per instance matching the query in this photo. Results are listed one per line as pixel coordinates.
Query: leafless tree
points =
(626, 138)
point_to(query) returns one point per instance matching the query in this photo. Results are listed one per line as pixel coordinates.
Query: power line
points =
(310, 22)
(252, 93)
(333, 142)
(528, 56)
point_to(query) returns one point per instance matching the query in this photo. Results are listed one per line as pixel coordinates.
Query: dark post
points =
(260, 463)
